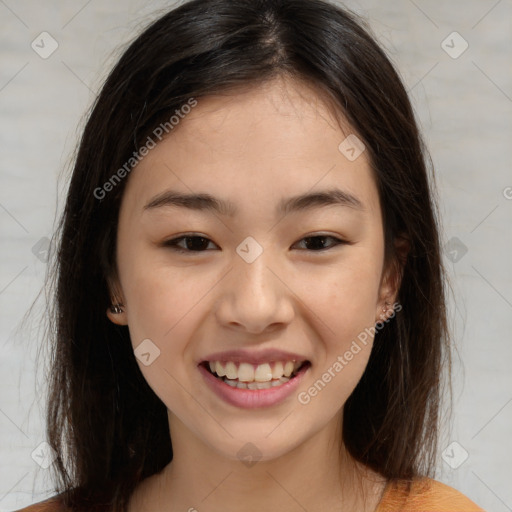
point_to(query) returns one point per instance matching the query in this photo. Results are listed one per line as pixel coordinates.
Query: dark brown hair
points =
(105, 423)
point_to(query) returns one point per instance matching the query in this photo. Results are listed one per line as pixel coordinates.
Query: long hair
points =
(108, 428)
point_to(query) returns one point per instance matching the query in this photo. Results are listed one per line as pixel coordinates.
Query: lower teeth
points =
(254, 385)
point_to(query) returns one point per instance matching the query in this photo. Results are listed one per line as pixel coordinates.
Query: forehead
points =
(259, 144)
(289, 106)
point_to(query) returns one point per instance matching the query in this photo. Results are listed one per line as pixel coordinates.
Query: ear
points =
(117, 299)
(392, 278)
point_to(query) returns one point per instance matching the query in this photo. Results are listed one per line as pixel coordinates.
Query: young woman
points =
(250, 299)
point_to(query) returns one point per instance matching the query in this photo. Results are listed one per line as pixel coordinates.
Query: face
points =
(252, 278)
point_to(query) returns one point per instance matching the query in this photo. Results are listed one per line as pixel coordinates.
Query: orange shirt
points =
(426, 495)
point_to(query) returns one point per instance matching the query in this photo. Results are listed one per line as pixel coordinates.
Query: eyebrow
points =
(299, 203)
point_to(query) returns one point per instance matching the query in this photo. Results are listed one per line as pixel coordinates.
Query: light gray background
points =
(464, 105)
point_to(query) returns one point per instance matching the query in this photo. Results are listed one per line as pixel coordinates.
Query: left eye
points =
(199, 243)
(321, 239)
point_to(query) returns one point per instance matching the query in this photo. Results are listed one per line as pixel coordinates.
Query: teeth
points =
(278, 370)
(245, 372)
(248, 373)
(263, 373)
(255, 385)
(288, 368)
(231, 371)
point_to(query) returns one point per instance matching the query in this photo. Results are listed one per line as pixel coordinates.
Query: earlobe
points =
(116, 314)
(389, 287)
(392, 279)
(385, 311)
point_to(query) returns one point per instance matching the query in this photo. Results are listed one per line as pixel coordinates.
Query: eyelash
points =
(173, 243)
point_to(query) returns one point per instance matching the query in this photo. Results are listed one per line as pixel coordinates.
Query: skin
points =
(254, 148)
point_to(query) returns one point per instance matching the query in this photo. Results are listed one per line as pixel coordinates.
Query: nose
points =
(255, 297)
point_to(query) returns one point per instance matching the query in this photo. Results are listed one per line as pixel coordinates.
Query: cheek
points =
(344, 307)
(163, 309)
(157, 295)
(161, 303)
(344, 296)
(342, 352)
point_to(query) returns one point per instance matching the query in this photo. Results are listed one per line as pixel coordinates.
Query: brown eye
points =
(191, 243)
(316, 243)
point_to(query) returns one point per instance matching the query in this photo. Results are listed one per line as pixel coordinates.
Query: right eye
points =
(192, 243)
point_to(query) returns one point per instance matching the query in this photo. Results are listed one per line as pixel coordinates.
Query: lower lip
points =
(252, 398)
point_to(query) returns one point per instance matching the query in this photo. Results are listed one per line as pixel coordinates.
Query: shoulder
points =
(425, 495)
(53, 504)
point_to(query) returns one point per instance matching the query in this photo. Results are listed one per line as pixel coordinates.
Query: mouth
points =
(251, 376)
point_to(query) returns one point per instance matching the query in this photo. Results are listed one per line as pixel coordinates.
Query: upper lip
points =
(252, 357)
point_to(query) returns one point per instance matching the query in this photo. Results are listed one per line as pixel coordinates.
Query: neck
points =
(317, 475)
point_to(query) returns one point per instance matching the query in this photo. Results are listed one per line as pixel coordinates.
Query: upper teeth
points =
(248, 372)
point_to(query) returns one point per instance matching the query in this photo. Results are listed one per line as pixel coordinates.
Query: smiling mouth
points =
(249, 376)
